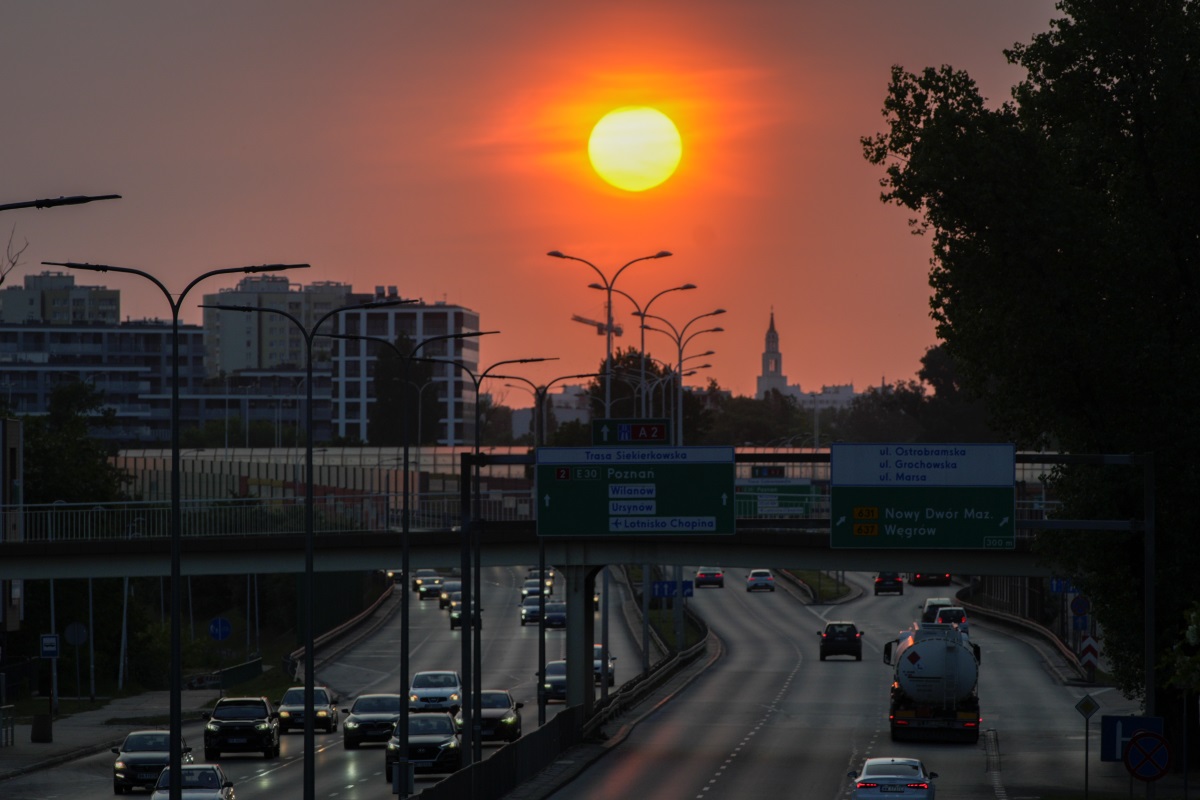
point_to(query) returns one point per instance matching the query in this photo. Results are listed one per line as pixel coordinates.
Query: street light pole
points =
(176, 679)
(74, 200)
(681, 338)
(639, 312)
(310, 776)
(607, 284)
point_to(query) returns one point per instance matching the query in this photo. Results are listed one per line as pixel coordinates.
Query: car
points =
(760, 579)
(841, 638)
(370, 719)
(554, 683)
(531, 609)
(449, 587)
(500, 716)
(598, 665)
(141, 757)
(325, 709)
(456, 613)
(241, 725)
(430, 588)
(198, 782)
(556, 615)
(532, 588)
(929, 578)
(905, 778)
(422, 575)
(932, 606)
(547, 579)
(435, 690)
(433, 744)
(709, 576)
(889, 582)
(954, 615)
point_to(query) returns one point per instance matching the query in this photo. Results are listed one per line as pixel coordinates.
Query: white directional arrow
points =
(724, 498)
(840, 521)
(547, 500)
(604, 433)
(1001, 525)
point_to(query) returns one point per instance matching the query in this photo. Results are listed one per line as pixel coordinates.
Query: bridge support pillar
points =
(581, 635)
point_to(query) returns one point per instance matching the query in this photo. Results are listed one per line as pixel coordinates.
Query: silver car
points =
(905, 778)
(435, 690)
(760, 580)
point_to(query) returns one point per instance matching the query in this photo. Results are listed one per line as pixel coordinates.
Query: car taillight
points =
(867, 785)
(917, 785)
(858, 635)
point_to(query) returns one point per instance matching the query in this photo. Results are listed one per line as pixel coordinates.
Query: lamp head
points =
(556, 254)
(661, 254)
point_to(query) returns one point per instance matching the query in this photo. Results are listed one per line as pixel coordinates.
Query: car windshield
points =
(556, 668)
(146, 743)
(842, 628)
(191, 778)
(494, 700)
(951, 615)
(240, 711)
(556, 608)
(295, 697)
(422, 726)
(383, 704)
(535, 602)
(434, 680)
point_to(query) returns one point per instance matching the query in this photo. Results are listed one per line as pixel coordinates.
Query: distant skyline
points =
(442, 148)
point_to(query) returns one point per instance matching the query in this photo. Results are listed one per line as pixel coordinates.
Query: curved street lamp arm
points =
(170, 298)
(73, 200)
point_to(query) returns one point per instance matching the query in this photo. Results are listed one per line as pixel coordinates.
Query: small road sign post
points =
(1087, 706)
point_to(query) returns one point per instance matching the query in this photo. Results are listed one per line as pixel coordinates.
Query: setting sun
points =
(635, 148)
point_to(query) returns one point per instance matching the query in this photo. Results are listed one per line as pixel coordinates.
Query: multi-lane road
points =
(767, 719)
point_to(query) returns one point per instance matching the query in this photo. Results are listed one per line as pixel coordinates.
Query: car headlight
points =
(350, 724)
(412, 698)
(285, 714)
(451, 744)
(393, 745)
(453, 697)
(322, 713)
(213, 727)
(509, 719)
(262, 726)
(547, 686)
(119, 765)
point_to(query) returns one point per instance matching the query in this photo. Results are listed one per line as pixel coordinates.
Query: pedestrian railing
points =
(8, 726)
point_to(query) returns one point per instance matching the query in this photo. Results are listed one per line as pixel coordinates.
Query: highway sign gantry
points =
(923, 496)
(638, 491)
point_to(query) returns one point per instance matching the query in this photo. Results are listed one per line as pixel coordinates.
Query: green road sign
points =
(624, 432)
(639, 491)
(905, 496)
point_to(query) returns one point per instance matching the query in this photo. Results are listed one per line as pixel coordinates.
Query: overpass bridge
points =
(360, 531)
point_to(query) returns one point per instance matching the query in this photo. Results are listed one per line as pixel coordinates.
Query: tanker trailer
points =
(935, 670)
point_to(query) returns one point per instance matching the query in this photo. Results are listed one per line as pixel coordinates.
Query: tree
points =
(1066, 254)
(63, 461)
(398, 400)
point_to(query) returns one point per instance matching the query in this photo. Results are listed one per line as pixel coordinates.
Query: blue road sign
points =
(667, 588)
(1117, 731)
(50, 645)
(219, 628)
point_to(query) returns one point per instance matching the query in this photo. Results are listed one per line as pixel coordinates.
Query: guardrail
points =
(8, 726)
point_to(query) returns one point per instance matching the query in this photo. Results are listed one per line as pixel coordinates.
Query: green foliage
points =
(404, 392)
(63, 461)
(1065, 236)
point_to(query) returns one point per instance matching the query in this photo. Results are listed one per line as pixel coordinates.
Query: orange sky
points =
(442, 148)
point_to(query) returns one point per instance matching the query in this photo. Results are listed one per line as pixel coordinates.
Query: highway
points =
(767, 719)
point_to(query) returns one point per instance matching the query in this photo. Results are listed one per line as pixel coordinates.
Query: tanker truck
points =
(935, 669)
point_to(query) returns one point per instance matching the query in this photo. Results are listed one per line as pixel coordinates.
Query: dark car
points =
(456, 613)
(325, 711)
(532, 587)
(709, 576)
(929, 578)
(198, 782)
(555, 681)
(841, 638)
(556, 615)
(370, 719)
(241, 725)
(500, 716)
(430, 588)
(531, 609)
(422, 575)
(449, 587)
(141, 757)
(433, 744)
(890, 582)
(547, 579)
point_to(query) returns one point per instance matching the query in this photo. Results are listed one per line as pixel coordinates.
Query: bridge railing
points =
(333, 514)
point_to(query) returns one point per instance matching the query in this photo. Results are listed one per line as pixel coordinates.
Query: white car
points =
(953, 615)
(435, 690)
(904, 778)
(760, 579)
(197, 781)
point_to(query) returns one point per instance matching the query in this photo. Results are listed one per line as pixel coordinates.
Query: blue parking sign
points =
(50, 645)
